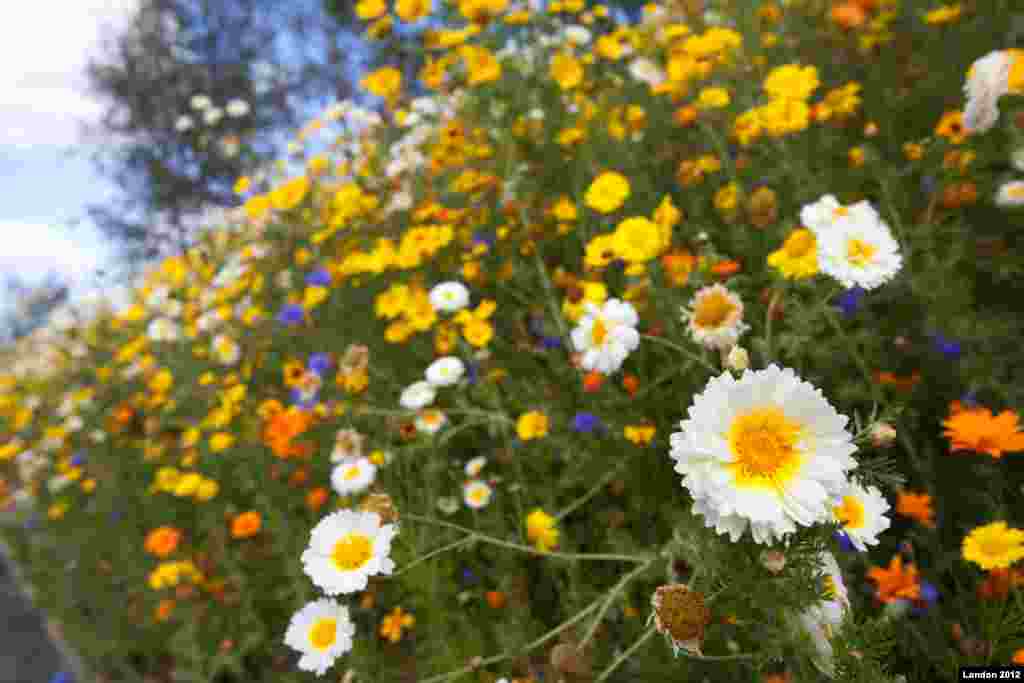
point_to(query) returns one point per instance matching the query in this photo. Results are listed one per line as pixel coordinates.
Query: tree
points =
(195, 92)
(30, 305)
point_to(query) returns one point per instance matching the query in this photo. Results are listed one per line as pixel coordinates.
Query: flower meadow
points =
(678, 349)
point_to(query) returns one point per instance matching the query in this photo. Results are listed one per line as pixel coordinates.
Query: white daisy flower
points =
(606, 335)
(417, 395)
(476, 494)
(353, 476)
(987, 81)
(862, 514)
(765, 452)
(346, 548)
(577, 34)
(431, 421)
(184, 123)
(715, 317)
(858, 248)
(1011, 194)
(475, 465)
(445, 371)
(821, 621)
(212, 116)
(200, 102)
(449, 297)
(226, 350)
(823, 214)
(646, 71)
(162, 330)
(237, 108)
(322, 631)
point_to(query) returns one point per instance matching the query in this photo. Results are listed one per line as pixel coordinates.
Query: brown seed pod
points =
(681, 614)
(566, 658)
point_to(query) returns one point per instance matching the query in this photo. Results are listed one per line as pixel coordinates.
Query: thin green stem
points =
(686, 352)
(467, 540)
(612, 594)
(857, 357)
(625, 655)
(592, 492)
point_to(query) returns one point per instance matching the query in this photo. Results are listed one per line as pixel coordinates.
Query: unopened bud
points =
(566, 658)
(737, 359)
(773, 560)
(382, 504)
(882, 434)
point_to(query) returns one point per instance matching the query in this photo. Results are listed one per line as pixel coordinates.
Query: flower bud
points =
(737, 359)
(882, 434)
(773, 560)
(566, 658)
(382, 504)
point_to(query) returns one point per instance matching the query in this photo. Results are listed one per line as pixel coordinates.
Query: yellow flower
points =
(727, 198)
(370, 9)
(566, 70)
(994, 546)
(564, 210)
(314, 296)
(221, 441)
(242, 185)
(187, 485)
(166, 478)
(541, 530)
(608, 192)
(385, 82)
(391, 626)
(481, 65)
(532, 425)
(478, 333)
(161, 382)
(410, 11)
(290, 195)
(792, 82)
(798, 257)
(947, 14)
(639, 239)
(713, 98)
(207, 490)
(641, 435)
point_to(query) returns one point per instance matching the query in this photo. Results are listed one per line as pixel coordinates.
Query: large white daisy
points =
(765, 452)
(715, 317)
(857, 247)
(987, 81)
(821, 621)
(322, 631)
(346, 548)
(606, 335)
(862, 514)
(353, 476)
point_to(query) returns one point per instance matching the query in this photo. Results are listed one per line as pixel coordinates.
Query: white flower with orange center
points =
(322, 631)
(765, 452)
(606, 335)
(854, 245)
(476, 494)
(862, 514)
(346, 548)
(715, 317)
(353, 476)
(431, 421)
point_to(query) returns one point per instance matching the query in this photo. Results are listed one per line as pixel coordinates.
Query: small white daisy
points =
(417, 395)
(606, 335)
(765, 452)
(322, 631)
(184, 123)
(715, 317)
(431, 421)
(646, 71)
(1011, 194)
(213, 116)
(445, 371)
(200, 102)
(226, 350)
(862, 514)
(824, 213)
(987, 81)
(449, 297)
(163, 330)
(476, 494)
(858, 248)
(475, 465)
(346, 548)
(353, 476)
(237, 108)
(821, 621)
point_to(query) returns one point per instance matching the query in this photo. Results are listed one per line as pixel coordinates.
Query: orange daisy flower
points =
(917, 506)
(391, 626)
(896, 582)
(162, 541)
(976, 429)
(246, 524)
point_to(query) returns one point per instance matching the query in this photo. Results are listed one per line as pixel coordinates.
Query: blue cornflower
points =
(319, 278)
(472, 372)
(929, 595)
(845, 544)
(62, 677)
(484, 238)
(319, 363)
(306, 403)
(950, 348)
(850, 300)
(551, 342)
(291, 314)
(77, 460)
(468, 578)
(586, 423)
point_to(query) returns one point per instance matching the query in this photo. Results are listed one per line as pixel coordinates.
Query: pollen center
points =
(764, 444)
(850, 512)
(323, 633)
(840, 211)
(352, 552)
(599, 332)
(351, 473)
(1016, 192)
(713, 310)
(859, 252)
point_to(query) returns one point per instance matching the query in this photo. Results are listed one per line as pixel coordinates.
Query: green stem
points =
(592, 492)
(614, 593)
(689, 354)
(857, 357)
(625, 655)
(467, 540)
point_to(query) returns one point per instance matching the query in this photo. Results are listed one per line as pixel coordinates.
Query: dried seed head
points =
(681, 615)
(566, 658)
(382, 504)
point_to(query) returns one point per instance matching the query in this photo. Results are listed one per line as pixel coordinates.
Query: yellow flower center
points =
(478, 495)
(352, 552)
(1015, 192)
(859, 252)
(713, 310)
(599, 332)
(830, 588)
(323, 633)
(840, 211)
(764, 443)
(351, 473)
(850, 513)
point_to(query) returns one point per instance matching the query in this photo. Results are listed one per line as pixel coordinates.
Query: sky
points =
(44, 46)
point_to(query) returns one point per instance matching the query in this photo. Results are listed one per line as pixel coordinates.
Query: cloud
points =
(34, 249)
(44, 48)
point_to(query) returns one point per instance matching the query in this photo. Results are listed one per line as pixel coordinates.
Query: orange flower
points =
(163, 610)
(592, 381)
(916, 506)
(316, 498)
(162, 541)
(678, 264)
(391, 626)
(282, 427)
(848, 15)
(896, 582)
(726, 268)
(631, 383)
(977, 430)
(1018, 657)
(899, 383)
(246, 524)
(496, 599)
(998, 583)
(299, 477)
